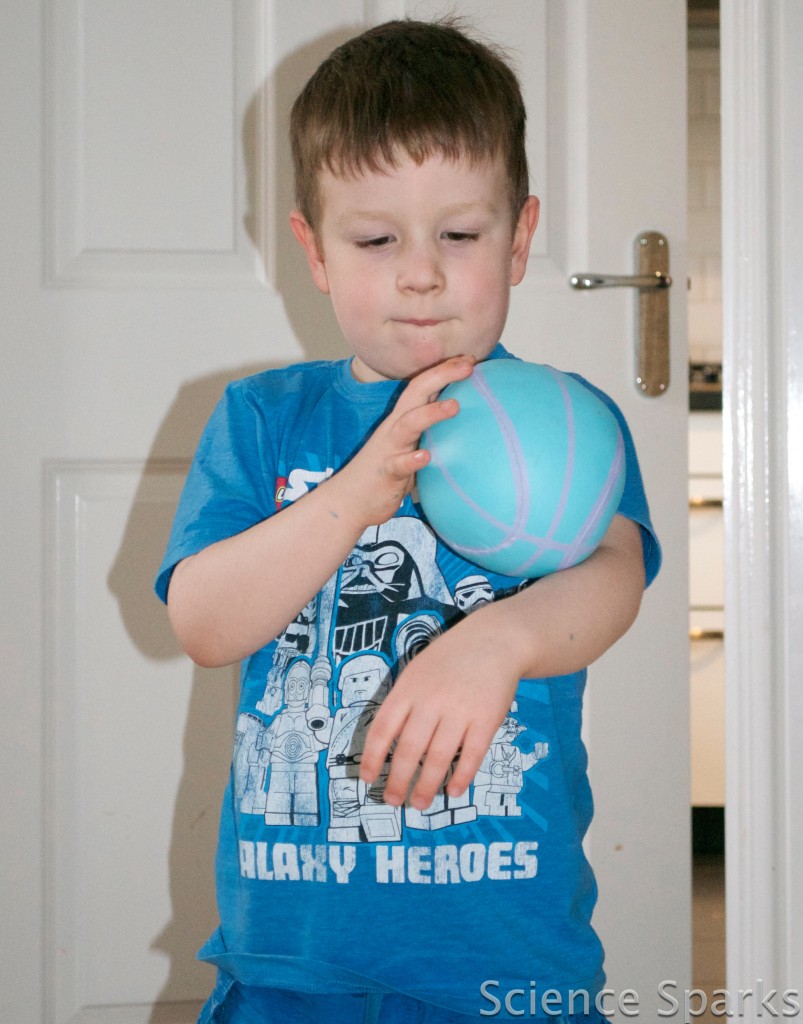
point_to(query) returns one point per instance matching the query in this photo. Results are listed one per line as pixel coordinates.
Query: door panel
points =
(148, 144)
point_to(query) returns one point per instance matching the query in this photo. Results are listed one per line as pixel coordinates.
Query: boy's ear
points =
(306, 236)
(522, 237)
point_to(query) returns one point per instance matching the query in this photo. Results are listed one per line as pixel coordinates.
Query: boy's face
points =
(418, 261)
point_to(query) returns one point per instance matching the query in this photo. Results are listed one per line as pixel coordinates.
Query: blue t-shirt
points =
(321, 885)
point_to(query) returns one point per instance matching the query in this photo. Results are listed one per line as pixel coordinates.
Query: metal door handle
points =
(588, 281)
(651, 258)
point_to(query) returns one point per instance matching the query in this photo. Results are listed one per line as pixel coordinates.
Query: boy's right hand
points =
(383, 471)
(235, 596)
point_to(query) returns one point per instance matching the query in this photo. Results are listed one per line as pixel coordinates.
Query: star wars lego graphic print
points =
(297, 753)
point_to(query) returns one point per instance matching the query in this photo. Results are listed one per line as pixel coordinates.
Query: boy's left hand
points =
(452, 697)
(449, 700)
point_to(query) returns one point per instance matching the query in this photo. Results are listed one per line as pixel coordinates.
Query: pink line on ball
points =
(599, 506)
(547, 543)
(468, 500)
(515, 454)
(511, 534)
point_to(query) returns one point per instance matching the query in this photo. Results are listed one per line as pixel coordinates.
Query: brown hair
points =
(417, 87)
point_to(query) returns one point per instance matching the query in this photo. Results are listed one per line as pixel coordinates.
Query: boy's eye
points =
(461, 236)
(373, 243)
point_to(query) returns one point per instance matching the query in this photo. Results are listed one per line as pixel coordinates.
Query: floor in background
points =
(708, 914)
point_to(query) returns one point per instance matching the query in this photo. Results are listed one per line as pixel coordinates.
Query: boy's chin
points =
(371, 374)
(411, 363)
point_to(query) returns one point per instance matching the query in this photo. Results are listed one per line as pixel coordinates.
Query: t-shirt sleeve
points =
(633, 504)
(230, 484)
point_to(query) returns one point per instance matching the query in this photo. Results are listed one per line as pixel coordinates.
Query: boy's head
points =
(409, 88)
(411, 184)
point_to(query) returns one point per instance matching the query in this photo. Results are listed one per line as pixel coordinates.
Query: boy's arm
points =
(454, 695)
(235, 596)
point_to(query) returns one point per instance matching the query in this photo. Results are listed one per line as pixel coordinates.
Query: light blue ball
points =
(526, 478)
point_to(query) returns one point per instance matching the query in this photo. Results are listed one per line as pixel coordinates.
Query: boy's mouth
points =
(421, 323)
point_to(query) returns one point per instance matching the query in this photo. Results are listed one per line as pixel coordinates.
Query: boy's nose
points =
(420, 270)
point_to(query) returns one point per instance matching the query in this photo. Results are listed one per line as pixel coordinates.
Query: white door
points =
(146, 260)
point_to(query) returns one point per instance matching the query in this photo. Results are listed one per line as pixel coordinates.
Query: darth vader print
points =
(386, 602)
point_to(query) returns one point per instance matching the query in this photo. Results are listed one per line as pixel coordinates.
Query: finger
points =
(431, 382)
(438, 760)
(409, 427)
(476, 744)
(428, 384)
(411, 744)
(384, 729)
(403, 467)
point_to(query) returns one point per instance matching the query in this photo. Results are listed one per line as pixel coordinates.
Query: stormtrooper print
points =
(473, 592)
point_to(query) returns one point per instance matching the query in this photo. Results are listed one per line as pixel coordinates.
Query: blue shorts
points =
(233, 1003)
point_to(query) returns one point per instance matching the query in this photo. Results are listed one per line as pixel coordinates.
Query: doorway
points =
(706, 533)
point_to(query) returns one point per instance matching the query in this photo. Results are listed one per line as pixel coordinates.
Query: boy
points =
(401, 835)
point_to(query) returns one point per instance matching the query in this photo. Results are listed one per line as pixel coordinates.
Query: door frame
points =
(762, 164)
